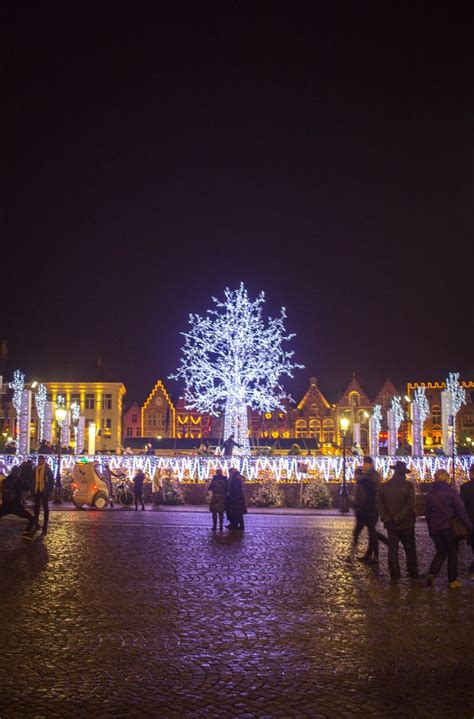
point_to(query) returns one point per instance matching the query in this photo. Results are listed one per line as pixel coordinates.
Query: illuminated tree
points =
(233, 360)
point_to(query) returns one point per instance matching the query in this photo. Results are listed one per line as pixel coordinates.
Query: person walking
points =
(396, 506)
(218, 488)
(467, 496)
(41, 489)
(443, 503)
(12, 488)
(236, 506)
(366, 514)
(138, 480)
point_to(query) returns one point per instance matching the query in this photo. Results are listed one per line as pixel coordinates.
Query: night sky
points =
(150, 159)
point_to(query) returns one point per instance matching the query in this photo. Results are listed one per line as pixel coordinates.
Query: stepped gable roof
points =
(353, 386)
(159, 388)
(387, 389)
(314, 395)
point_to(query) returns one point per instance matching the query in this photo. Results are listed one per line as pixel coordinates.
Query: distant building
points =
(158, 414)
(464, 420)
(132, 423)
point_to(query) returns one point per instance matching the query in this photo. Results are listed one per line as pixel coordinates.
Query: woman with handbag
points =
(448, 522)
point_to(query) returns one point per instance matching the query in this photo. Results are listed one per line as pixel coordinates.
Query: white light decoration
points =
(395, 416)
(24, 422)
(375, 425)
(41, 397)
(419, 410)
(232, 362)
(75, 409)
(283, 469)
(398, 411)
(18, 385)
(458, 398)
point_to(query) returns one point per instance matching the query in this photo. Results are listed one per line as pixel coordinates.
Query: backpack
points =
(9, 493)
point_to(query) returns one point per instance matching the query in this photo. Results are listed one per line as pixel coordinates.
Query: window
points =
(76, 398)
(436, 414)
(129, 431)
(314, 428)
(106, 401)
(138, 432)
(300, 428)
(354, 399)
(90, 401)
(106, 424)
(328, 431)
(134, 418)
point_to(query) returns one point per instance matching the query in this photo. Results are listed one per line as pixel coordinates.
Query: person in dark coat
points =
(467, 496)
(235, 506)
(366, 514)
(12, 488)
(218, 489)
(26, 473)
(229, 445)
(138, 480)
(396, 506)
(41, 488)
(442, 503)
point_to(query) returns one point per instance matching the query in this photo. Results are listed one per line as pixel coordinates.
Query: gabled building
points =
(191, 424)
(355, 404)
(315, 417)
(158, 414)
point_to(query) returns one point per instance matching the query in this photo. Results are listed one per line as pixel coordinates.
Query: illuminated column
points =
(447, 422)
(356, 432)
(23, 445)
(65, 431)
(80, 436)
(48, 423)
(374, 430)
(91, 431)
(392, 433)
(416, 430)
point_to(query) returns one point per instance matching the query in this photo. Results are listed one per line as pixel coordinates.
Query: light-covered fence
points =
(284, 469)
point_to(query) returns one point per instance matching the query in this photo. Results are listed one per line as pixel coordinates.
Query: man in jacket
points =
(467, 496)
(41, 488)
(12, 488)
(366, 514)
(396, 506)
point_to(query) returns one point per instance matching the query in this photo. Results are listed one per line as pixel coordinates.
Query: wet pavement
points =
(148, 614)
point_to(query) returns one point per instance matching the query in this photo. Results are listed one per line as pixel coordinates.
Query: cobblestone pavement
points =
(148, 614)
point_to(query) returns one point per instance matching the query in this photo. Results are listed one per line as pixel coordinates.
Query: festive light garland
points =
(75, 414)
(41, 397)
(232, 362)
(283, 469)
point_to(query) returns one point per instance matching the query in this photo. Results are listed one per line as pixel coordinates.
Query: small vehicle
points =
(88, 487)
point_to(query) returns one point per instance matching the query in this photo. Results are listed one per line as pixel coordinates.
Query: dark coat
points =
(364, 495)
(443, 502)
(236, 504)
(48, 480)
(467, 496)
(218, 488)
(138, 480)
(396, 503)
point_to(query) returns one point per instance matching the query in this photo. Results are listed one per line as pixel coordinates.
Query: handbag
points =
(457, 526)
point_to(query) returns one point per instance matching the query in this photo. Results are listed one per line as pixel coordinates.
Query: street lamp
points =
(344, 422)
(60, 414)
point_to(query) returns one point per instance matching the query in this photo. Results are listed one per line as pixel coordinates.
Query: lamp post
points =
(344, 422)
(60, 414)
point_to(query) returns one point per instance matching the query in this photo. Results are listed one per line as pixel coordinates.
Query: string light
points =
(458, 398)
(18, 385)
(398, 412)
(423, 405)
(232, 362)
(41, 397)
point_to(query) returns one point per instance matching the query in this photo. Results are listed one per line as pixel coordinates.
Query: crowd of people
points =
(449, 516)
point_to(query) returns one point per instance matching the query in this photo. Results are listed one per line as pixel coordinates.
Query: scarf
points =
(39, 478)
